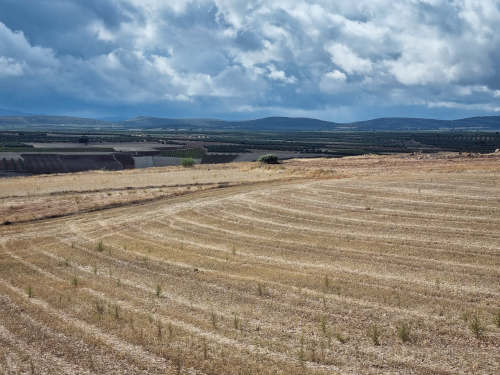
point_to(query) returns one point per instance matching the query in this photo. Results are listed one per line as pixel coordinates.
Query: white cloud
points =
(333, 82)
(19, 56)
(294, 54)
(101, 32)
(480, 107)
(347, 59)
(10, 68)
(280, 75)
(336, 76)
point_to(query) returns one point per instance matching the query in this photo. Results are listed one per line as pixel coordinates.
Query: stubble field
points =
(362, 265)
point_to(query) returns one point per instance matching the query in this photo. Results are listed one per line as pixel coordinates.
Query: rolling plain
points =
(357, 265)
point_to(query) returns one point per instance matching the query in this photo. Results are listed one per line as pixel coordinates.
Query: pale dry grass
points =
(133, 178)
(29, 198)
(289, 276)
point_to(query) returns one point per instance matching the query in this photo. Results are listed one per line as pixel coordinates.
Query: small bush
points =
(178, 361)
(404, 332)
(324, 326)
(205, 349)
(497, 319)
(301, 354)
(268, 159)
(261, 291)
(213, 319)
(476, 327)
(99, 308)
(326, 282)
(100, 247)
(29, 291)
(187, 162)
(374, 334)
(342, 339)
(159, 330)
(465, 316)
(313, 352)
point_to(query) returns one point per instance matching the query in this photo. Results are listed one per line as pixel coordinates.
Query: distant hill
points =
(49, 121)
(268, 123)
(158, 122)
(412, 124)
(286, 123)
(263, 124)
(308, 124)
(10, 112)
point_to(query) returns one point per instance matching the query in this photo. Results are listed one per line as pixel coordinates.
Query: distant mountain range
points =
(10, 112)
(40, 121)
(489, 123)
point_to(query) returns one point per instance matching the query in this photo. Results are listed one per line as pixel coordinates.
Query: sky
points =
(337, 60)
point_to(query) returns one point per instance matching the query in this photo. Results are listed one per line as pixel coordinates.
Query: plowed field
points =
(350, 266)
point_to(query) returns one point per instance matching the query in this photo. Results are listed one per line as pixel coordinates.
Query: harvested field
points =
(363, 265)
(29, 198)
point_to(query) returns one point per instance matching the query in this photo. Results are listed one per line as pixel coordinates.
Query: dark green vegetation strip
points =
(227, 148)
(195, 153)
(356, 143)
(328, 143)
(218, 158)
(56, 149)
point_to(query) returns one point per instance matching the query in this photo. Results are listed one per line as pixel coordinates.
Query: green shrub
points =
(159, 330)
(268, 159)
(404, 332)
(476, 326)
(301, 352)
(261, 291)
(213, 318)
(342, 339)
(99, 307)
(324, 325)
(374, 334)
(326, 282)
(187, 162)
(100, 247)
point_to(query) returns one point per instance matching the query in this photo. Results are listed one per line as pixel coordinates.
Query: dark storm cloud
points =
(63, 25)
(335, 60)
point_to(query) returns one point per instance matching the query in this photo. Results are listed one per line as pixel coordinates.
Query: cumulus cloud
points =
(333, 81)
(19, 54)
(280, 75)
(10, 67)
(348, 60)
(234, 58)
